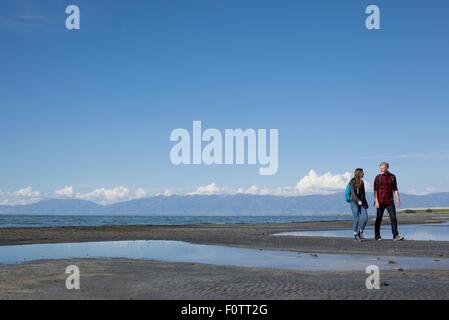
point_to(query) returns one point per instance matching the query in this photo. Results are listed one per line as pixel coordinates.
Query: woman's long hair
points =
(358, 175)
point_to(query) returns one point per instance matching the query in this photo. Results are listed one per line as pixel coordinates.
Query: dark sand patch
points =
(136, 279)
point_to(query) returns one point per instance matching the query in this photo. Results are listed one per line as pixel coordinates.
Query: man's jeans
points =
(391, 208)
(359, 217)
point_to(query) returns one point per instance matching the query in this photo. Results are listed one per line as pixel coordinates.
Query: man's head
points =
(384, 166)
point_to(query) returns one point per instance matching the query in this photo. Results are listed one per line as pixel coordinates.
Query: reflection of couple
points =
(385, 185)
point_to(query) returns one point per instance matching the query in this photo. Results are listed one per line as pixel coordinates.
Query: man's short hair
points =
(384, 164)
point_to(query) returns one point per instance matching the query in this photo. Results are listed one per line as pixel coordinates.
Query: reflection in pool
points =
(435, 232)
(178, 251)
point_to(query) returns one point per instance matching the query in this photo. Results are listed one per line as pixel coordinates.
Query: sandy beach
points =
(136, 279)
(142, 279)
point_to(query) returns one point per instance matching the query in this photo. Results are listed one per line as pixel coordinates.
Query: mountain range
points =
(239, 204)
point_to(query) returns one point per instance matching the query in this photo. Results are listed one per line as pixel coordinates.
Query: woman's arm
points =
(376, 189)
(354, 193)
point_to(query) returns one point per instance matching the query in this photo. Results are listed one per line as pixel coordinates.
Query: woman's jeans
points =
(359, 217)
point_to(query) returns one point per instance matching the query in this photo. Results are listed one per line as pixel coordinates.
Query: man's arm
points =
(376, 200)
(398, 198)
(396, 191)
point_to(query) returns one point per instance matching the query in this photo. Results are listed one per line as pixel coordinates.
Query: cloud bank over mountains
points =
(311, 184)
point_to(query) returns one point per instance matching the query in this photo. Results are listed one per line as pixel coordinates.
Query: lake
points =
(24, 221)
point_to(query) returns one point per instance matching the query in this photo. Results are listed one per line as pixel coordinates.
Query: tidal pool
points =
(434, 232)
(178, 251)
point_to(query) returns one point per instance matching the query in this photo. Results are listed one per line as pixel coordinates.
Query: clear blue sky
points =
(94, 108)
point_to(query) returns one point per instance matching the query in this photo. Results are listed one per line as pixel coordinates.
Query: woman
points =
(359, 205)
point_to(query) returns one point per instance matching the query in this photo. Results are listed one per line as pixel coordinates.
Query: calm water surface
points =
(178, 251)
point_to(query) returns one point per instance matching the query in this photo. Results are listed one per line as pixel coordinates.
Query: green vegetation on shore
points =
(424, 211)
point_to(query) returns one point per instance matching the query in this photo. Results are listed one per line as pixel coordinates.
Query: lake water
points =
(178, 251)
(24, 221)
(435, 232)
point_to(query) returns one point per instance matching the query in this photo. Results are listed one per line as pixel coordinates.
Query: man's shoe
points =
(357, 238)
(378, 238)
(398, 238)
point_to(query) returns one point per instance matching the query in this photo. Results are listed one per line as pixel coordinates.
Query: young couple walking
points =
(385, 186)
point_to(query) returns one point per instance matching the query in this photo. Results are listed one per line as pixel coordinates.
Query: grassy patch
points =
(425, 211)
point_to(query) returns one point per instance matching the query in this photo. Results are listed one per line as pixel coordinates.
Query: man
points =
(385, 184)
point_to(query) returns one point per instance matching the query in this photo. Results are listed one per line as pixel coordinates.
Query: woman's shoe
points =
(362, 238)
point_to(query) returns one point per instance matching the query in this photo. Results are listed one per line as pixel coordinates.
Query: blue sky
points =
(94, 108)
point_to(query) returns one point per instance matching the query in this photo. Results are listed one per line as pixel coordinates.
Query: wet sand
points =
(138, 279)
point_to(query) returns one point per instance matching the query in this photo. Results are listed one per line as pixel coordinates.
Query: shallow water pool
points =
(178, 251)
(434, 232)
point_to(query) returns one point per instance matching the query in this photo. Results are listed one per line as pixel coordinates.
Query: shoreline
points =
(152, 279)
(256, 236)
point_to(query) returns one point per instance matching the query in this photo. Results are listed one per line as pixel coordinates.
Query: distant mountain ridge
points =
(239, 204)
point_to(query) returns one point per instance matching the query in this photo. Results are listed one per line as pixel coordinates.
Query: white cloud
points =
(425, 191)
(257, 190)
(327, 183)
(166, 193)
(251, 190)
(419, 156)
(140, 193)
(66, 192)
(210, 189)
(106, 196)
(311, 184)
(20, 197)
(27, 192)
(103, 195)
